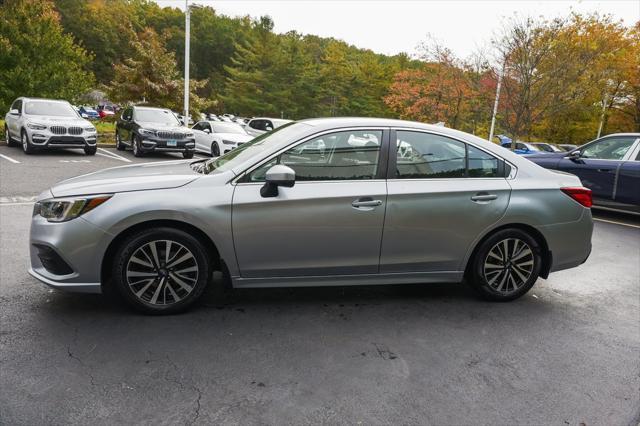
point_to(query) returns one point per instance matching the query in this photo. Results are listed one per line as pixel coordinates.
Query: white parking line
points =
(112, 155)
(617, 223)
(10, 159)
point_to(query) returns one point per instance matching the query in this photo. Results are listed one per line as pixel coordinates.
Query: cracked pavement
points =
(566, 353)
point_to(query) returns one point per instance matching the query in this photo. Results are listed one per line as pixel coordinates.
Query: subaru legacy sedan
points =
(310, 204)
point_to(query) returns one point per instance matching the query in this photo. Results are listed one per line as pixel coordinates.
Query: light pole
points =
(187, 25)
(495, 104)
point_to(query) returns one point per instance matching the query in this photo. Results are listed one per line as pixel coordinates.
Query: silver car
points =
(302, 206)
(48, 123)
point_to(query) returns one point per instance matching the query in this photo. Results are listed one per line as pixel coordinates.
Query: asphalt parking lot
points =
(566, 353)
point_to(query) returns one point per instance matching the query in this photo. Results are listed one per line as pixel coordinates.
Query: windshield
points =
(89, 109)
(227, 128)
(289, 132)
(162, 116)
(53, 108)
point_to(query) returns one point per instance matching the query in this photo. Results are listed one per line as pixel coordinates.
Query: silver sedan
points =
(335, 201)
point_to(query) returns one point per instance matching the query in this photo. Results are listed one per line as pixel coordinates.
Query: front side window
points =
(429, 156)
(608, 149)
(126, 115)
(17, 105)
(345, 155)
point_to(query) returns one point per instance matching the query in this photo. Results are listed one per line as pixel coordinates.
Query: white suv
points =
(48, 123)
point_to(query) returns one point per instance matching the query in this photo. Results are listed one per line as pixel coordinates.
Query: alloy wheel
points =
(162, 272)
(508, 265)
(25, 142)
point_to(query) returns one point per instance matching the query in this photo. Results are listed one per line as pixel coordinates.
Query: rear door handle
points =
(366, 202)
(484, 197)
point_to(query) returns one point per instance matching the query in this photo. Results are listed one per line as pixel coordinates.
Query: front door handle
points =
(366, 202)
(483, 196)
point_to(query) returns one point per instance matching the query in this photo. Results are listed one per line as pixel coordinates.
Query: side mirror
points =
(276, 176)
(574, 155)
(14, 112)
(207, 131)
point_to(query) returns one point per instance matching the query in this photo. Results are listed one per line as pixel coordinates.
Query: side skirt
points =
(347, 280)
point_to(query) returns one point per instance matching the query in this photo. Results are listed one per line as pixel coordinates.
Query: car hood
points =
(235, 137)
(66, 121)
(160, 175)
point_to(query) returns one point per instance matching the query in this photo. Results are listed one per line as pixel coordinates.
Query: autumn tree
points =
(36, 57)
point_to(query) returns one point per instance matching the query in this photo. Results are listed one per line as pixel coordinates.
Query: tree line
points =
(561, 79)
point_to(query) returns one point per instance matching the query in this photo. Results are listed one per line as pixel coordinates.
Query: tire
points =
(135, 144)
(90, 150)
(215, 149)
(119, 145)
(147, 284)
(8, 138)
(27, 147)
(187, 154)
(502, 275)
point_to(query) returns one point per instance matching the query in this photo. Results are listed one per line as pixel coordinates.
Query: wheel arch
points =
(107, 260)
(547, 258)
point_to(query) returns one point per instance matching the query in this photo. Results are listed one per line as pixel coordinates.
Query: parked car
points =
(91, 113)
(146, 129)
(547, 147)
(106, 111)
(567, 146)
(215, 137)
(258, 126)
(609, 166)
(523, 148)
(272, 213)
(180, 118)
(48, 123)
(77, 109)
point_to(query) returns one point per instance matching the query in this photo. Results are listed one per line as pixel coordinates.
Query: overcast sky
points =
(399, 26)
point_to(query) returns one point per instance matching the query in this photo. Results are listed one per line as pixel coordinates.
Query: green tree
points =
(151, 76)
(36, 57)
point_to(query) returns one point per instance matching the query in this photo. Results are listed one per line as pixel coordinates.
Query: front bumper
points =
(67, 255)
(150, 144)
(46, 139)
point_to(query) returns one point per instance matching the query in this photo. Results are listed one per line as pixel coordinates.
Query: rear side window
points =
(425, 155)
(257, 124)
(429, 156)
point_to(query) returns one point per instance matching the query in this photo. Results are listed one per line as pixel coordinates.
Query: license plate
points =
(172, 143)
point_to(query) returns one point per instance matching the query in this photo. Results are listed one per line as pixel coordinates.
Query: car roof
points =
(24, 98)
(148, 107)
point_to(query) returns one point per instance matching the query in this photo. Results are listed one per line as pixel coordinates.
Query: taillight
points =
(580, 194)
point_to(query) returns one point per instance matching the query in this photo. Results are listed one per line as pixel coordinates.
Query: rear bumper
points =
(569, 243)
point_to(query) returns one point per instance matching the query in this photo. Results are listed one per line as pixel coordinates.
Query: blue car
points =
(609, 166)
(524, 148)
(90, 113)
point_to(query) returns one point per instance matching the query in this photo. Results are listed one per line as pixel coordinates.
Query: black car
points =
(146, 129)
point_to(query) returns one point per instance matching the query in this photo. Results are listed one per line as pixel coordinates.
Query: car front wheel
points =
(135, 144)
(27, 147)
(90, 150)
(161, 271)
(506, 265)
(215, 150)
(187, 154)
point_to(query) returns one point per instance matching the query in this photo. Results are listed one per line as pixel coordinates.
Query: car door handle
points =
(366, 202)
(483, 197)
(605, 170)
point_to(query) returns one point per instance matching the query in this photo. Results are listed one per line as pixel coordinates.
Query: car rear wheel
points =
(135, 144)
(215, 150)
(161, 271)
(506, 265)
(7, 137)
(27, 147)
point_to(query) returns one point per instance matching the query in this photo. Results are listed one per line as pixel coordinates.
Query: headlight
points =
(64, 209)
(36, 126)
(228, 142)
(90, 129)
(188, 135)
(147, 132)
